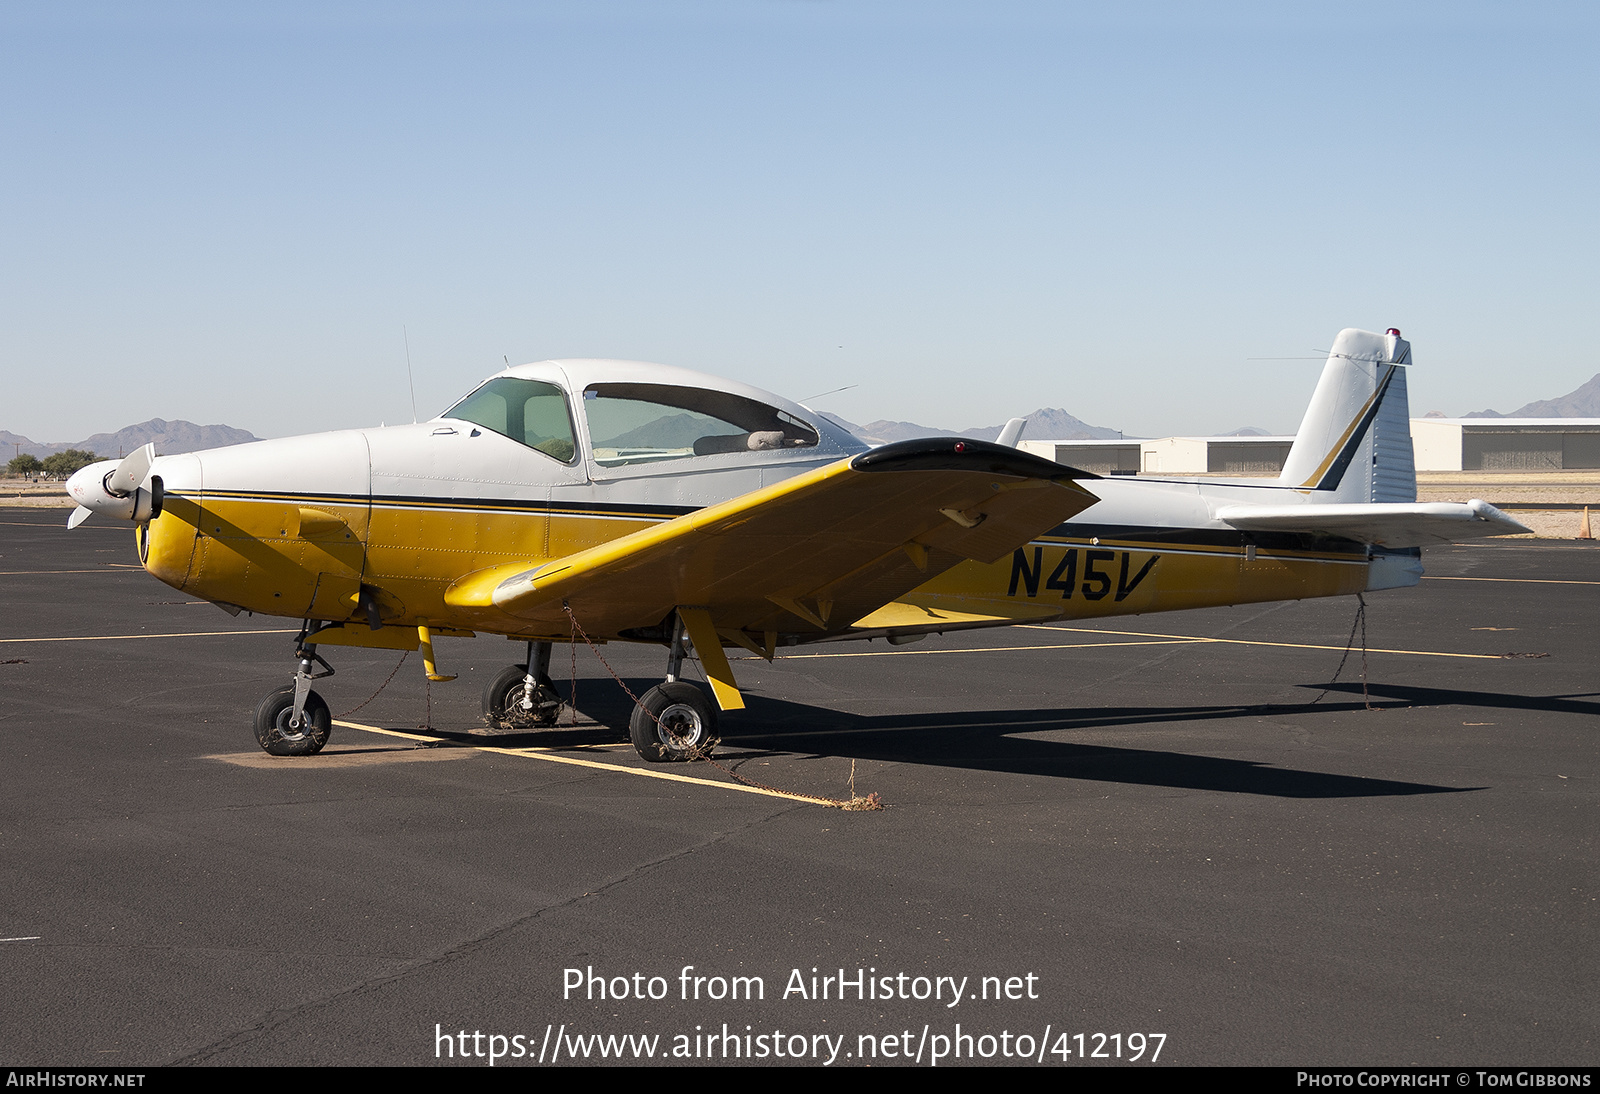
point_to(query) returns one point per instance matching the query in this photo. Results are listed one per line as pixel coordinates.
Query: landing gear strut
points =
(523, 697)
(294, 720)
(674, 721)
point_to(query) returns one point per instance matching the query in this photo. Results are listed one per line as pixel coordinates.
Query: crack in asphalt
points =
(279, 1016)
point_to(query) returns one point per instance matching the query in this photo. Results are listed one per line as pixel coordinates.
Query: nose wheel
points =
(276, 732)
(294, 720)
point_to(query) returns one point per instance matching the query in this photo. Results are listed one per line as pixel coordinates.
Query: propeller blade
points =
(79, 515)
(130, 473)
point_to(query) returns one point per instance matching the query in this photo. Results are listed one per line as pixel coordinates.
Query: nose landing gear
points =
(294, 720)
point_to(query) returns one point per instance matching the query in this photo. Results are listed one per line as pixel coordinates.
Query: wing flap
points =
(810, 554)
(1392, 525)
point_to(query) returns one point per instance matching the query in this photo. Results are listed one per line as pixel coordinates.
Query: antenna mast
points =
(409, 379)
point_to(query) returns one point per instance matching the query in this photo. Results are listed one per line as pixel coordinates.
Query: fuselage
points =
(546, 460)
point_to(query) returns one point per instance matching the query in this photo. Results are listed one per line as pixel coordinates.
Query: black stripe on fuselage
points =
(638, 511)
(1071, 532)
(1220, 538)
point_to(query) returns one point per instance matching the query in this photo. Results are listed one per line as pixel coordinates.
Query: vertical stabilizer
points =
(1011, 434)
(1354, 444)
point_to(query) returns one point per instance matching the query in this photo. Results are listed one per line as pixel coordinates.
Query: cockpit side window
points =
(530, 412)
(648, 423)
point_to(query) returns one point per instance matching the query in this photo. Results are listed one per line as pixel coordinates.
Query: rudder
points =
(1354, 444)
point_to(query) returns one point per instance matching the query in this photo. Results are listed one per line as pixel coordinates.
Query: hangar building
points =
(1440, 444)
(1170, 455)
(1506, 444)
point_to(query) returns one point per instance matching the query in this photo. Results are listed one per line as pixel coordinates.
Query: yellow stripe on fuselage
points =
(1089, 579)
(238, 548)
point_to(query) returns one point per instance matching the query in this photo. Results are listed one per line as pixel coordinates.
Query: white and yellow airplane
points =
(639, 502)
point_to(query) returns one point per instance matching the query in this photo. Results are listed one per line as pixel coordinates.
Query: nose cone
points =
(87, 487)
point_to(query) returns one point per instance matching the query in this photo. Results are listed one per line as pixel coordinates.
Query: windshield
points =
(530, 412)
(647, 423)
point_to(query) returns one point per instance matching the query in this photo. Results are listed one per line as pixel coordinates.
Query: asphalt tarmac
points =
(1164, 837)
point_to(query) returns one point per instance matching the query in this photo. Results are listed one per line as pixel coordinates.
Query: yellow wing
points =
(809, 555)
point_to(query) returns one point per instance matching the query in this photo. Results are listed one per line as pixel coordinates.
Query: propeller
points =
(130, 473)
(115, 488)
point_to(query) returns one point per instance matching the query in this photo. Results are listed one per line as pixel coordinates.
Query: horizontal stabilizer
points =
(1392, 525)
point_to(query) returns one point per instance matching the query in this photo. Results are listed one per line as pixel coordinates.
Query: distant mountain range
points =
(1581, 403)
(170, 438)
(1046, 423)
(1043, 424)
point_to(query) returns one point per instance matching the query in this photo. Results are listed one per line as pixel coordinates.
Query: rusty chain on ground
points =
(1360, 622)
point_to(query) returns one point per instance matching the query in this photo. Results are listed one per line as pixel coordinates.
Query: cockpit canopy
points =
(631, 422)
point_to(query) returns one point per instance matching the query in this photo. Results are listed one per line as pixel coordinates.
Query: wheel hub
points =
(679, 727)
(286, 727)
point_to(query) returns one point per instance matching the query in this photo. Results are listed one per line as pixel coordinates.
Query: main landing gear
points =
(674, 721)
(294, 720)
(523, 697)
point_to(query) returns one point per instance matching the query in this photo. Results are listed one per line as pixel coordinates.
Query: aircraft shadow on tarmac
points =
(1437, 697)
(1000, 740)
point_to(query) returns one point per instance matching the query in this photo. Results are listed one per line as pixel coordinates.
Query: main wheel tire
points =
(502, 701)
(278, 738)
(673, 722)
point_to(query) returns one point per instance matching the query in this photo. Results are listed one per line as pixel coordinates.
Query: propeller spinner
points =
(116, 488)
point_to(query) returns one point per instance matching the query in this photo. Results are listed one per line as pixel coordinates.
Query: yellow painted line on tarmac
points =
(109, 568)
(550, 755)
(1513, 580)
(1249, 642)
(51, 523)
(124, 637)
(1175, 641)
(1153, 640)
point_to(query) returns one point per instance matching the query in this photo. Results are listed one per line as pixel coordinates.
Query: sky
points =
(1153, 215)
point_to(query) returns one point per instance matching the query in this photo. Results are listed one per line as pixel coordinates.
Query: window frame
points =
(748, 415)
(557, 389)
